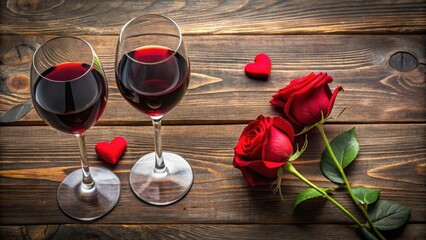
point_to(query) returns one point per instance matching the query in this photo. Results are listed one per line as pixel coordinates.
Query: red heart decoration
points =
(261, 68)
(111, 152)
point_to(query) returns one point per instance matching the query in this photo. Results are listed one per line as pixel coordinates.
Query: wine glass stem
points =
(87, 182)
(160, 167)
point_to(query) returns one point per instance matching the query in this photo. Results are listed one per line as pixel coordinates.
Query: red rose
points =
(305, 98)
(264, 146)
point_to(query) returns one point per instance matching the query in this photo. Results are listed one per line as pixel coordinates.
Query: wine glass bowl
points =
(152, 65)
(152, 74)
(70, 95)
(69, 92)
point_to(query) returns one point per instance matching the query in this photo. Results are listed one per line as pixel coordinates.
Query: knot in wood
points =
(27, 4)
(34, 6)
(19, 83)
(403, 61)
(17, 55)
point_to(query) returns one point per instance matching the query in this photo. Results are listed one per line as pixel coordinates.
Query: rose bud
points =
(305, 98)
(263, 147)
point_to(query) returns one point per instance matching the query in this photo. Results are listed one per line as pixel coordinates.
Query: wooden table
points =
(375, 50)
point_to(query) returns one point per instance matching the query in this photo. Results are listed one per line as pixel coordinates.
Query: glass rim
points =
(64, 37)
(120, 39)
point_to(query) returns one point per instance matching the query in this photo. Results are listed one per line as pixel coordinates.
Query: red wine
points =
(155, 82)
(68, 102)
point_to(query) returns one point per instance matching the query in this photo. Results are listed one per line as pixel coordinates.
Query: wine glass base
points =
(89, 204)
(161, 188)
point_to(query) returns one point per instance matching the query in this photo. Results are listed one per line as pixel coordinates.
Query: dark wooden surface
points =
(375, 49)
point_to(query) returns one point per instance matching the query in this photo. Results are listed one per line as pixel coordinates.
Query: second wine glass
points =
(152, 74)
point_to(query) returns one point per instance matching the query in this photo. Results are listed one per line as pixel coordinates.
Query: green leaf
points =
(368, 235)
(298, 153)
(388, 215)
(308, 194)
(345, 148)
(366, 195)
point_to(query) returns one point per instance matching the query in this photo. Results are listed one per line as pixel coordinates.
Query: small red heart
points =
(111, 152)
(261, 68)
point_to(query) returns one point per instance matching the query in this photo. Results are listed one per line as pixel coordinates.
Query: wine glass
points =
(152, 74)
(69, 91)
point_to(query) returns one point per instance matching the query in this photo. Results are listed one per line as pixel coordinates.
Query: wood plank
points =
(196, 231)
(34, 159)
(216, 17)
(220, 91)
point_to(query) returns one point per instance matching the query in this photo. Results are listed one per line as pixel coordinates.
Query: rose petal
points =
(307, 109)
(265, 168)
(305, 84)
(277, 147)
(260, 117)
(285, 127)
(277, 102)
(303, 113)
(333, 98)
(255, 179)
(277, 135)
(297, 84)
(250, 142)
(241, 161)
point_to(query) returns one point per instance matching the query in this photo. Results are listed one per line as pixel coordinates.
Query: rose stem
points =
(345, 179)
(289, 168)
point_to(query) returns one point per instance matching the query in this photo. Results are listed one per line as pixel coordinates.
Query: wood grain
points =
(216, 17)
(34, 159)
(374, 49)
(220, 91)
(195, 231)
